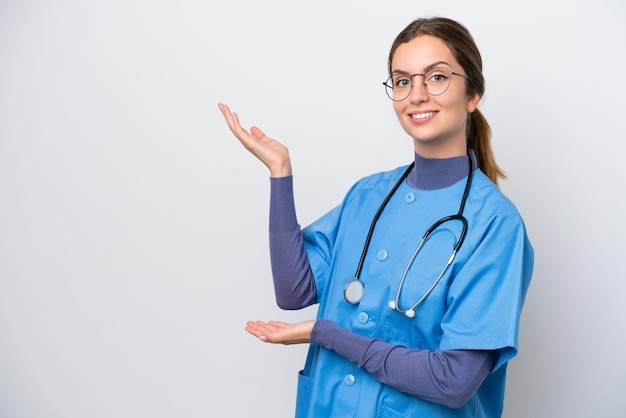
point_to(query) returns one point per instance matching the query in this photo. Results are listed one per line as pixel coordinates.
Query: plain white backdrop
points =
(133, 225)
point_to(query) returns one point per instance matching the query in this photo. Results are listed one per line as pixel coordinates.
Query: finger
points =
(253, 324)
(278, 324)
(260, 326)
(259, 134)
(232, 120)
(228, 116)
(268, 329)
(246, 138)
(249, 325)
(239, 131)
(253, 328)
(258, 329)
(225, 111)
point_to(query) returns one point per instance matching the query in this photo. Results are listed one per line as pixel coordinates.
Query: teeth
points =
(422, 115)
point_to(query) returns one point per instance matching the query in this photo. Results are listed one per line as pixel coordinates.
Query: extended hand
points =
(281, 332)
(271, 152)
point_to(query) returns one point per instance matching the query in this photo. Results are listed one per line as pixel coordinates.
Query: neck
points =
(438, 173)
(442, 147)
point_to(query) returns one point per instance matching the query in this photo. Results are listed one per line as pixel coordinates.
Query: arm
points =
(293, 281)
(294, 284)
(447, 377)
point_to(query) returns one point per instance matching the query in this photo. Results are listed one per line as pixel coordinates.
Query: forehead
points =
(421, 52)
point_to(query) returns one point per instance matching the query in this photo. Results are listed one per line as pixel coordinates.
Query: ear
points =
(472, 102)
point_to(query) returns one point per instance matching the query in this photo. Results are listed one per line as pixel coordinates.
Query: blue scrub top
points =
(476, 305)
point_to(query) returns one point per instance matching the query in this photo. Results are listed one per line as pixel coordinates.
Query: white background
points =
(133, 225)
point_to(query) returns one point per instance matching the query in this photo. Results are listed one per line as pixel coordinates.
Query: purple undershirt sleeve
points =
(447, 377)
(294, 284)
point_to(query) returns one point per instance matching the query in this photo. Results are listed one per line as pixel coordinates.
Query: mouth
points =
(423, 115)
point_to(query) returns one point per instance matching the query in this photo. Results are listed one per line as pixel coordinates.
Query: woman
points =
(421, 272)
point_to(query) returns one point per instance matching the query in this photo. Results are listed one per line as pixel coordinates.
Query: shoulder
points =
(381, 180)
(364, 195)
(486, 201)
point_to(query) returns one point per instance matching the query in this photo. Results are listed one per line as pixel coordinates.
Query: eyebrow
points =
(427, 69)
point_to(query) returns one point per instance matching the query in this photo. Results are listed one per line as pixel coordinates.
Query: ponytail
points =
(479, 140)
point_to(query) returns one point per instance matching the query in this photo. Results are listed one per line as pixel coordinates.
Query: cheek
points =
(456, 104)
(398, 107)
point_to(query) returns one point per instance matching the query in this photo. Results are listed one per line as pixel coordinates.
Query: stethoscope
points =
(353, 291)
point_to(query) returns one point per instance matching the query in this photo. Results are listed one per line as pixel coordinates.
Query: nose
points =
(418, 91)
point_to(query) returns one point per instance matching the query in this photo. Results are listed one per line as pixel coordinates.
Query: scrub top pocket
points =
(303, 399)
(386, 412)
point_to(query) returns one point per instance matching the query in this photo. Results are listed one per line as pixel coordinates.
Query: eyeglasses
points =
(436, 81)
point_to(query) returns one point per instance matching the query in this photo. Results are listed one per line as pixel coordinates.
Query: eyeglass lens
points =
(436, 82)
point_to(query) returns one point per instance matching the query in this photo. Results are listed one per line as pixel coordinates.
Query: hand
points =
(272, 153)
(281, 332)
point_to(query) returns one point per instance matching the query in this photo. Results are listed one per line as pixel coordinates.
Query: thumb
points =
(257, 132)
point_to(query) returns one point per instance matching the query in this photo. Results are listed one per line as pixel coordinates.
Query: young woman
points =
(421, 272)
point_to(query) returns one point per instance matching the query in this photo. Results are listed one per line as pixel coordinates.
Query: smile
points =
(422, 115)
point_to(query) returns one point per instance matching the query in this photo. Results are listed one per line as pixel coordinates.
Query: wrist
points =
(283, 170)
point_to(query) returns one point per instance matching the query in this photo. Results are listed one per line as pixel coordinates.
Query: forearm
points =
(294, 284)
(447, 377)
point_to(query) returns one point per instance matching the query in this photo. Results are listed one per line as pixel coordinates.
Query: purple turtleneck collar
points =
(438, 173)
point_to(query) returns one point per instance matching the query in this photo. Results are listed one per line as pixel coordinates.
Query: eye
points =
(437, 76)
(401, 82)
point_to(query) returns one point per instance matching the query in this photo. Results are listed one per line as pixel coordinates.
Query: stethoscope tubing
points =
(353, 290)
(370, 232)
(394, 304)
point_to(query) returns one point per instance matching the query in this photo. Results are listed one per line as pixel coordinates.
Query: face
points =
(436, 123)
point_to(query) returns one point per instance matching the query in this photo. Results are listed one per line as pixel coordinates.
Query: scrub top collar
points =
(439, 173)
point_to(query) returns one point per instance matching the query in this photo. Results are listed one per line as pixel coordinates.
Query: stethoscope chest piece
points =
(353, 291)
